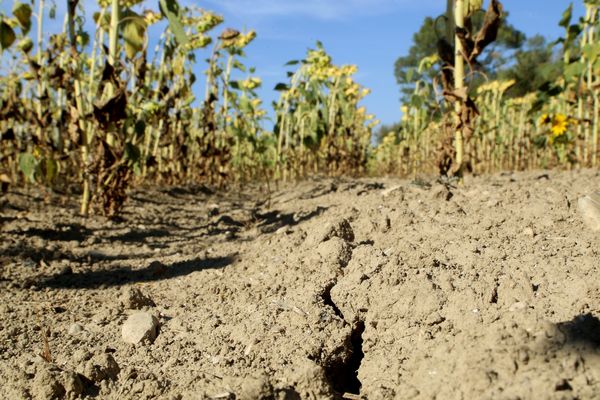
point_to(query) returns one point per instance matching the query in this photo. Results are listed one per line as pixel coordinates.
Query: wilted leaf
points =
(457, 95)
(140, 127)
(132, 152)
(4, 182)
(467, 43)
(113, 110)
(489, 31)
(9, 134)
(22, 13)
(48, 169)
(445, 51)
(7, 35)
(229, 34)
(170, 9)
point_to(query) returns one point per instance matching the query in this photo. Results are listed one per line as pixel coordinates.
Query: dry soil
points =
(375, 289)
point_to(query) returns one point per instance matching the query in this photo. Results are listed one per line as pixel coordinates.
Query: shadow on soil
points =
(271, 221)
(120, 276)
(581, 331)
(62, 233)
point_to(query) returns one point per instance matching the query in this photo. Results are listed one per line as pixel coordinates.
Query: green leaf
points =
(234, 84)
(245, 105)
(133, 29)
(592, 51)
(574, 70)
(239, 66)
(28, 165)
(281, 87)
(188, 101)
(416, 101)
(7, 35)
(410, 74)
(566, 17)
(22, 12)
(292, 62)
(170, 9)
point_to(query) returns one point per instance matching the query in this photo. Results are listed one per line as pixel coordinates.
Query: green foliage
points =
(534, 64)
(171, 10)
(134, 33)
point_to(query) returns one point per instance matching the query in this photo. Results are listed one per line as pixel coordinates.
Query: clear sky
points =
(369, 33)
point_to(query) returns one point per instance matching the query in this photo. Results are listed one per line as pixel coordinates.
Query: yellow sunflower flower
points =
(560, 123)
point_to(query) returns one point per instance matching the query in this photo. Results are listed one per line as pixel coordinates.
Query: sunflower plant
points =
(559, 135)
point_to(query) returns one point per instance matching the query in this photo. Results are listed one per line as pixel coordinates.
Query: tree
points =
(535, 64)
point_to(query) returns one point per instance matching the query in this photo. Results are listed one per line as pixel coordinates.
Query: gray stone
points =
(75, 329)
(141, 326)
(589, 207)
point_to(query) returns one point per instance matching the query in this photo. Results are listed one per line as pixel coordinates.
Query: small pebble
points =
(75, 329)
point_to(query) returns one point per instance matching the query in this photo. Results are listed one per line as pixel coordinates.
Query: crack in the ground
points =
(326, 296)
(343, 375)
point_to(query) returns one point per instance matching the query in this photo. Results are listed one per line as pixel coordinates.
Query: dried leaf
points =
(229, 34)
(489, 31)
(113, 110)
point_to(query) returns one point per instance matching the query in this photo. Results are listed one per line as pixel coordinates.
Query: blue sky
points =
(369, 33)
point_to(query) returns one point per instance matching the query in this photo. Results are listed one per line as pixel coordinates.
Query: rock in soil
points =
(139, 327)
(589, 206)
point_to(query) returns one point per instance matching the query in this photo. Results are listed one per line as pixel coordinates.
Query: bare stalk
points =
(459, 76)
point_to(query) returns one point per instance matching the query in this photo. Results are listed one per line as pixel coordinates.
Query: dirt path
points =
(487, 291)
